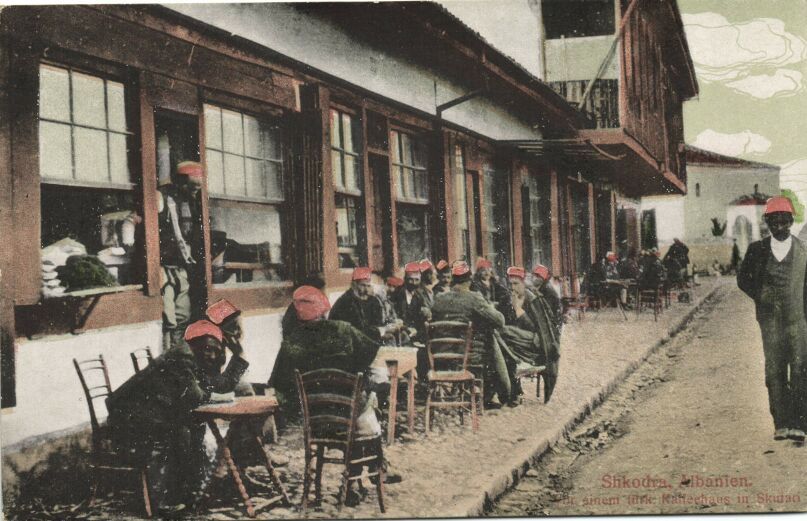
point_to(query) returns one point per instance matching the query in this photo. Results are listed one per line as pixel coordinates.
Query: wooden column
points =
(612, 195)
(148, 165)
(7, 333)
(369, 194)
(517, 213)
(442, 201)
(592, 223)
(554, 201)
(393, 190)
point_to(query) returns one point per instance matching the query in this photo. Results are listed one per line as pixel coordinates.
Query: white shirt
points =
(409, 297)
(780, 249)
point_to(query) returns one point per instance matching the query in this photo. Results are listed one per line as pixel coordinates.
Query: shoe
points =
(781, 434)
(353, 498)
(391, 477)
(796, 435)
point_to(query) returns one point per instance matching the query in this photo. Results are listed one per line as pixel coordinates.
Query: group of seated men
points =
(607, 276)
(150, 415)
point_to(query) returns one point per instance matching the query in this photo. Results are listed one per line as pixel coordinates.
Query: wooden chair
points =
(94, 379)
(652, 298)
(330, 401)
(451, 383)
(143, 356)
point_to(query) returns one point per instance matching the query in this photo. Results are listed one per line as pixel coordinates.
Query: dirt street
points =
(687, 432)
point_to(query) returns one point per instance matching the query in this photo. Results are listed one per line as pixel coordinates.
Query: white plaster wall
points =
(327, 47)
(718, 187)
(49, 395)
(670, 216)
(570, 59)
(263, 335)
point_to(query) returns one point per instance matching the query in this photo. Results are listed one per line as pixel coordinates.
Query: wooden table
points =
(253, 411)
(401, 362)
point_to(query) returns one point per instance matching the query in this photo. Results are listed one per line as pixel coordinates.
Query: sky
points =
(750, 58)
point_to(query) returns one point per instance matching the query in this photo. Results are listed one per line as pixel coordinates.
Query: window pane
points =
(215, 172)
(213, 127)
(413, 233)
(88, 100)
(336, 141)
(352, 181)
(54, 93)
(118, 159)
(252, 137)
(234, 179)
(406, 149)
(348, 131)
(336, 168)
(256, 179)
(350, 231)
(274, 179)
(246, 242)
(91, 154)
(271, 142)
(233, 132)
(460, 202)
(116, 106)
(396, 150)
(409, 183)
(55, 160)
(418, 154)
(399, 181)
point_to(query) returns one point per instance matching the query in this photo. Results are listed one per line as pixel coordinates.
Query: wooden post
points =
(517, 213)
(554, 201)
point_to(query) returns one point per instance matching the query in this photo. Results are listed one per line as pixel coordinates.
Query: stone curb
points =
(479, 506)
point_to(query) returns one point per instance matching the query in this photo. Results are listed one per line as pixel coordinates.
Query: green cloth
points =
(319, 344)
(463, 305)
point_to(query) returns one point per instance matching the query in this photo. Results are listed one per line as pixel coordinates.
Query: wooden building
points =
(333, 135)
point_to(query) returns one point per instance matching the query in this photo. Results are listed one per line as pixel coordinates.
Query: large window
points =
(88, 203)
(244, 157)
(412, 194)
(347, 179)
(539, 211)
(461, 226)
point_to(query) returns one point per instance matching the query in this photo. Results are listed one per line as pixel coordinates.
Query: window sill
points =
(246, 199)
(345, 191)
(95, 291)
(407, 200)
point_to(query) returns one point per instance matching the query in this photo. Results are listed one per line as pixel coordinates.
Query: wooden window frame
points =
(265, 294)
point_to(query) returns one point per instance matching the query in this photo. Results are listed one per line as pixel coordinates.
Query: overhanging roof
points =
(611, 155)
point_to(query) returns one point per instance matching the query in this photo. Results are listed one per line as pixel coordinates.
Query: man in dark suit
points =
(773, 274)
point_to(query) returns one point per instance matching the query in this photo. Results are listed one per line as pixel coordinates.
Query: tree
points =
(797, 205)
(718, 229)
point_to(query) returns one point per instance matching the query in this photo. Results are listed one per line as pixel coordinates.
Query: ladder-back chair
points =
(94, 378)
(141, 358)
(331, 400)
(451, 383)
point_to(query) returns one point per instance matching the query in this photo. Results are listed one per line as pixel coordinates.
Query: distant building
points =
(729, 189)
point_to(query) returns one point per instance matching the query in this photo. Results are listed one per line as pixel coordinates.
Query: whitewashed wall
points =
(321, 44)
(670, 216)
(49, 395)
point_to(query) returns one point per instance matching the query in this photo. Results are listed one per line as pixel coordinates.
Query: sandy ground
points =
(689, 432)
(455, 472)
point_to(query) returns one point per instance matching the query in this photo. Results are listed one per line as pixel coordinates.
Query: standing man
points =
(678, 252)
(546, 314)
(177, 217)
(773, 274)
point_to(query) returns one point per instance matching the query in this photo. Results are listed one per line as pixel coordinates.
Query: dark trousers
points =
(785, 348)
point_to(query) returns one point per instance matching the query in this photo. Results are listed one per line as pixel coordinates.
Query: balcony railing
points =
(602, 105)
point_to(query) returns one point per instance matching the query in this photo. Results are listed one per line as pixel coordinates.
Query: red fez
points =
(221, 311)
(395, 282)
(442, 265)
(779, 204)
(191, 169)
(426, 265)
(310, 303)
(515, 271)
(541, 271)
(611, 256)
(362, 273)
(412, 267)
(483, 263)
(460, 269)
(202, 328)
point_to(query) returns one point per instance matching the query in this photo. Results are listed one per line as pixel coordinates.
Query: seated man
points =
(315, 344)
(461, 304)
(486, 283)
(228, 318)
(443, 285)
(363, 310)
(150, 417)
